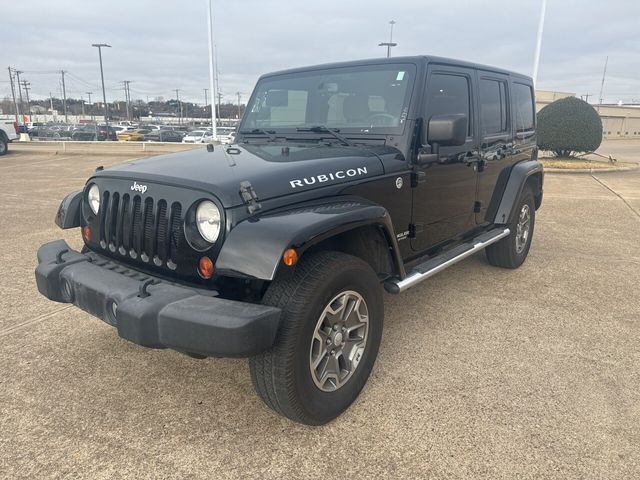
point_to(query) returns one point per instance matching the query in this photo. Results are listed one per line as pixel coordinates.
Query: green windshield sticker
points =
(400, 76)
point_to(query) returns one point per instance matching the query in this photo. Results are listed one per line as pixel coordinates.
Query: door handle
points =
(472, 157)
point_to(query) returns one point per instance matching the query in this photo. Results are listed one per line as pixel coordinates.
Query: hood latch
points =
(249, 197)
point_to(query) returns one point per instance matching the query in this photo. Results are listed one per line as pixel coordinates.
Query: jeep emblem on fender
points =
(137, 187)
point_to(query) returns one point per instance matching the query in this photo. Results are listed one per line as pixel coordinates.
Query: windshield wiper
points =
(330, 131)
(259, 131)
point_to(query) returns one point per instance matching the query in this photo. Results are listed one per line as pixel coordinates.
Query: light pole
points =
(536, 57)
(104, 93)
(212, 86)
(390, 43)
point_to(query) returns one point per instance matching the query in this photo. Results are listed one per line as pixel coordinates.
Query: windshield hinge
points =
(417, 178)
(249, 197)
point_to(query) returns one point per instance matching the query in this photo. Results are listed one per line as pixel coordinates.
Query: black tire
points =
(282, 375)
(505, 253)
(4, 145)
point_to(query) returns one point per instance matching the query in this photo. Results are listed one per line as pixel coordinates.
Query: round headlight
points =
(208, 221)
(93, 197)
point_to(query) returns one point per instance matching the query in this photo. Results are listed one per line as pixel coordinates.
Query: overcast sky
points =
(161, 45)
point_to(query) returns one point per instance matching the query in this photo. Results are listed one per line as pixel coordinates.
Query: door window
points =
(449, 94)
(493, 106)
(525, 119)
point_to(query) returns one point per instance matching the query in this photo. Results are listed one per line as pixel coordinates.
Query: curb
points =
(563, 171)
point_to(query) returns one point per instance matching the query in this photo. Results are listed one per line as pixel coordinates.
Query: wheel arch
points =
(254, 248)
(528, 172)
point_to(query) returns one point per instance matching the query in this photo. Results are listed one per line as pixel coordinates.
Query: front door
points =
(443, 203)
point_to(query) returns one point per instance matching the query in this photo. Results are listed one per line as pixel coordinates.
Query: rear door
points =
(496, 135)
(443, 203)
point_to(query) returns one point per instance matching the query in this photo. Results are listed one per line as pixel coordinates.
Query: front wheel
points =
(330, 331)
(511, 251)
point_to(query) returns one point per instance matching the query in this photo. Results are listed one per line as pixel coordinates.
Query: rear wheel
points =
(511, 251)
(330, 331)
(4, 145)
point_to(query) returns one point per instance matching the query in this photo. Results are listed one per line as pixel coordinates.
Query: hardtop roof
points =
(417, 59)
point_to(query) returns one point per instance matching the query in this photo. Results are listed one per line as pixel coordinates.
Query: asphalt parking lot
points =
(482, 372)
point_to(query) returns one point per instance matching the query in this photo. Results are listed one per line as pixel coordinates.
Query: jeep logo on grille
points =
(137, 187)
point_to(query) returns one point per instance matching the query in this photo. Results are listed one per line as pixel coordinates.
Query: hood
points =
(273, 170)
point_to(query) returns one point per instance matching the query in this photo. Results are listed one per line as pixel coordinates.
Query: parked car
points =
(345, 179)
(226, 135)
(123, 128)
(198, 136)
(94, 133)
(133, 135)
(164, 136)
(9, 131)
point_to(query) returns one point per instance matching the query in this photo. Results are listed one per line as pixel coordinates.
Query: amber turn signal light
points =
(86, 233)
(205, 267)
(290, 257)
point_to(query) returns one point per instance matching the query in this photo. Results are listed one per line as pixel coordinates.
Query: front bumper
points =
(151, 312)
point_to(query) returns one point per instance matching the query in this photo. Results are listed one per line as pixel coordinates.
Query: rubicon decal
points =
(328, 177)
(137, 187)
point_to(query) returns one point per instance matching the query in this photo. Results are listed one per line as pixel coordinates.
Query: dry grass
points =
(579, 164)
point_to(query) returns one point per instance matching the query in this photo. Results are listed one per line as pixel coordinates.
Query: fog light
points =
(205, 267)
(290, 257)
(86, 233)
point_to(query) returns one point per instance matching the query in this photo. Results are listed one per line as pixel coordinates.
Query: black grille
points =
(141, 228)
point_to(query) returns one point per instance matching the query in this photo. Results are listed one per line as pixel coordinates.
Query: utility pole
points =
(127, 97)
(585, 97)
(212, 80)
(390, 43)
(219, 101)
(179, 106)
(104, 93)
(64, 97)
(238, 94)
(82, 104)
(18, 72)
(90, 104)
(536, 56)
(604, 74)
(51, 103)
(27, 87)
(13, 94)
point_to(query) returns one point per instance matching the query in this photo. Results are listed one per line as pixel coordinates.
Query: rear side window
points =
(449, 94)
(523, 99)
(493, 106)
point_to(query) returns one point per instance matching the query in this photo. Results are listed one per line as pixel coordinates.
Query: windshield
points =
(196, 133)
(361, 99)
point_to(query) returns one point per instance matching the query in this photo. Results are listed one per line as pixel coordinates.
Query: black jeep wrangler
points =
(344, 179)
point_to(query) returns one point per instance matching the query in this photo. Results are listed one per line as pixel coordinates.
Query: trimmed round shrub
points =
(569, 126)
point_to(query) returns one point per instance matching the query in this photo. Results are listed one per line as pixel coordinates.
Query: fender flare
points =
(68, 215)
(518, 177)
(253, 248)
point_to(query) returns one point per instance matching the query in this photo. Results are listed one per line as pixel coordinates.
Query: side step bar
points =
(439, 263)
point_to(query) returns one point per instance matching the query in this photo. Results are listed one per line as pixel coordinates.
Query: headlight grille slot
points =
(141, 227)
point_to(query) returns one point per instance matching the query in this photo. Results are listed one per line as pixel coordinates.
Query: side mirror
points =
(442, 130)
(447, 130)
